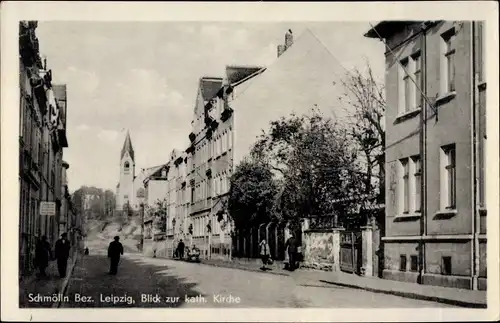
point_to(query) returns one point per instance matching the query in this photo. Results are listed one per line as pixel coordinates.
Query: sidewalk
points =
(446, 295)
(451, 296)
(249, 265)
(46, 286)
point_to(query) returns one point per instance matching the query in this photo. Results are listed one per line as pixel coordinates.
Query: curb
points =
(413, 295)
(65, 282)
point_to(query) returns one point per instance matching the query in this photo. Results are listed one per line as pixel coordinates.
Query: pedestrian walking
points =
(42, 255)
(180, 249)
(115, 249)
(291, 245)
(62, 254)
(265, 253)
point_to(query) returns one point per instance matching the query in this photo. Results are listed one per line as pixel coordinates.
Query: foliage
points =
(158, 211)
(94, 202)
(364, 100)
(319, 168)
(251, 194)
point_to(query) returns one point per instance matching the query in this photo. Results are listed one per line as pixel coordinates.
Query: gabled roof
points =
(127, 147)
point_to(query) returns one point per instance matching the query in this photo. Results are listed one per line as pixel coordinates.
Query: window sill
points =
(407, 217)
(407, 115)
(446, 98)
(445, 214)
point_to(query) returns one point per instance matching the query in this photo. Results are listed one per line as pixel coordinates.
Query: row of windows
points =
(409, 190)
(200, 225)
(410, 70)
(210, 187)
(219, 144)
(403, 264)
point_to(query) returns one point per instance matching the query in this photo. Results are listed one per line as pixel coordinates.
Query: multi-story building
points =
(435, 152)
(42, 137)
(220, 139)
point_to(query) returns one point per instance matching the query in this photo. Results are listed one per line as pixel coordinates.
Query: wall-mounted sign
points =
(48, 208)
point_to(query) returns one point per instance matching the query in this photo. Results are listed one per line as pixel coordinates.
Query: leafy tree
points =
(158, 211)
(321, 172)
(251, 194)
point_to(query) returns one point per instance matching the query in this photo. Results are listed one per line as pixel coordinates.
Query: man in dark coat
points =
(62, 254)
(115, 249)
(291, 244)
(42, 255)
(180, 249)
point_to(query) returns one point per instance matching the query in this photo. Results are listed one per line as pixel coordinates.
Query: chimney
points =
(281, 50)
(288, 39)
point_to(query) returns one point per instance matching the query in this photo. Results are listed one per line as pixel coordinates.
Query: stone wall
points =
(321, 249)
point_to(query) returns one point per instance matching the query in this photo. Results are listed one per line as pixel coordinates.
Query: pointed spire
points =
(127, 147)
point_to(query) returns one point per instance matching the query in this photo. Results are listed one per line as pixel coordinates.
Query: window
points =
(404, 86)
(413, 263)
(229, 139)
(417, 183)
(192, 192)
(446, 265)
(405, 186)
(126, 167)
(417, 73)
(448, 62)
(402, 263)
(448, 177)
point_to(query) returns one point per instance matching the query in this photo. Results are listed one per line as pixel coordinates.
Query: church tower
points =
(125, 188)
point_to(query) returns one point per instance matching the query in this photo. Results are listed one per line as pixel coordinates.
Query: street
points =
(154, 282)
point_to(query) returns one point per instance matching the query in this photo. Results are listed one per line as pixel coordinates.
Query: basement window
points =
(413, 263)
(446, 265)
(402, 263)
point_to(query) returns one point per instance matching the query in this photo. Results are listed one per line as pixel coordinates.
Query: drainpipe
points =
(423, 157)
(474, 154)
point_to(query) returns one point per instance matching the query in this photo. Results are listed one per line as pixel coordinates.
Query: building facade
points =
(42, 137)
(435, 152)
(224, 128)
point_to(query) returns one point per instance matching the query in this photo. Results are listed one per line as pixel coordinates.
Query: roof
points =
(235, 74)
(387, 28)
(127, 147)
(209, 86)
(148, 172)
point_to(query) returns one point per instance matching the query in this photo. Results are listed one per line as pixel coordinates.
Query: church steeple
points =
(127, 147)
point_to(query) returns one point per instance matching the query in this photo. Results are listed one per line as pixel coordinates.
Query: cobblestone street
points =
(196, 285)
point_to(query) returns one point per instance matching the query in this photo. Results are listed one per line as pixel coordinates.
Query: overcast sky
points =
(143, 76)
